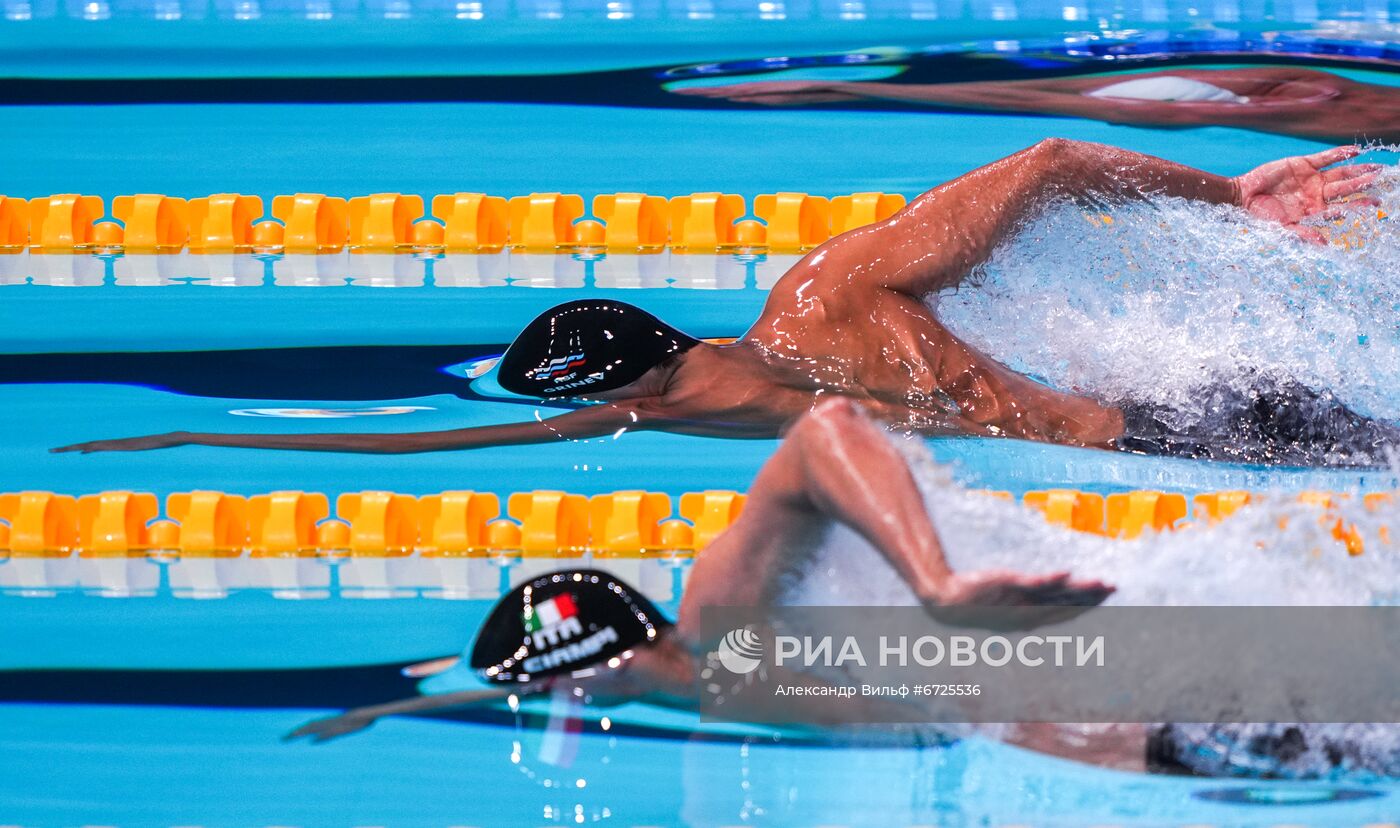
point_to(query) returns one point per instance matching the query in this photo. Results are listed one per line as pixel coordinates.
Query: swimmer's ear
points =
(423, 669)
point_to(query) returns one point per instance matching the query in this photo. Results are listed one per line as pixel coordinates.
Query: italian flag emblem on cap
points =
(548, 613)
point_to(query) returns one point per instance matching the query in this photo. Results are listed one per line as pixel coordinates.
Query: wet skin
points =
(1305, 103)
(850, 319)
(837, 466)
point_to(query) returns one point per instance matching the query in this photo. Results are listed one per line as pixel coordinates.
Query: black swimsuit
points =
(1275, 751)
(1271, 423)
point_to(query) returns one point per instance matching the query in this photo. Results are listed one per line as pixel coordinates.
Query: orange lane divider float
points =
(114, 524)
(539, 524)
(39, 524)
(460, 223)
(1132, 513)
(455, 524)
(704, 222)
(1069, 508)
(633, 222)
(284, 524)
(311, 222)
(628, 524)
(544, 222)
(793, 222)
(472, 222)
(383, 222)
(710, 512)
(202, 524)
(14, 224)
(1216, 506)
(860, 209)
(372, 524)
(552, 524)
(149, 224)
(63, 223)
(223, 222)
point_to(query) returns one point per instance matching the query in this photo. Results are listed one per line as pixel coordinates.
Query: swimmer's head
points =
(564, 623)
(587, 347)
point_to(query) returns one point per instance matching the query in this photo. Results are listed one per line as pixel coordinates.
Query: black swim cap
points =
(561, 623)
(589, 345)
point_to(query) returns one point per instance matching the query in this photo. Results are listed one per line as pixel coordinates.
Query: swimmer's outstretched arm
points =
(940, 237)
(1292, 101)
(593, 421)
(353, 721)
(837, 466)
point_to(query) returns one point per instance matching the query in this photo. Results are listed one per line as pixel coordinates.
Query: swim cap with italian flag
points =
(587, 346)
(561, 623)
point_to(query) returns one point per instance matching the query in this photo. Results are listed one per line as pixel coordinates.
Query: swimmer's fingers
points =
(1058, 589)
(756, 88)
(1342, 209)
(154, 441)
(1018, 589)
(774, 93)
(1326, 158)
(1076, 594)
(1333, 190)
(324, 730)
(91, 446)
(1350, 171)
(86, 448)
(424, 669)
(798, 100)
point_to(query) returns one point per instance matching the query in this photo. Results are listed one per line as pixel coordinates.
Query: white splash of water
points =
(1153, 301)
(1277, 552)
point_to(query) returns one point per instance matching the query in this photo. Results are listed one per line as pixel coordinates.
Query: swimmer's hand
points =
(778, 93)
(333, 727)
(1047, 599)
(154, 441)
(1293, 189)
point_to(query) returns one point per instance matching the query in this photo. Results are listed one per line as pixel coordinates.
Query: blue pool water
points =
(165, 710)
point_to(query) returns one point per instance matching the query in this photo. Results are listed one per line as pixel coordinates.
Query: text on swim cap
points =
(568, 654)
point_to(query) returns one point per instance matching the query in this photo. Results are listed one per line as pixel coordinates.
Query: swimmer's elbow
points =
(1054, 150)
(1058, 153)
(832, 420)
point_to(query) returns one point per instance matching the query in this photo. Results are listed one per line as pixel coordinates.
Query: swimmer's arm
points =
(941, 236)
(833, 465)
(837, 465)
(1070, 96)
(353, 721)
(592, 421)
(1063, 97)
(944, 234)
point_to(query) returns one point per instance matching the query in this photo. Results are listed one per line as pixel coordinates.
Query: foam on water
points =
(1278, 552)
(1152, 301)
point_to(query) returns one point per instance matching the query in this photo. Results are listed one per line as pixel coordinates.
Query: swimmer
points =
(836, 467)
(1304, 103)
(851, 319)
